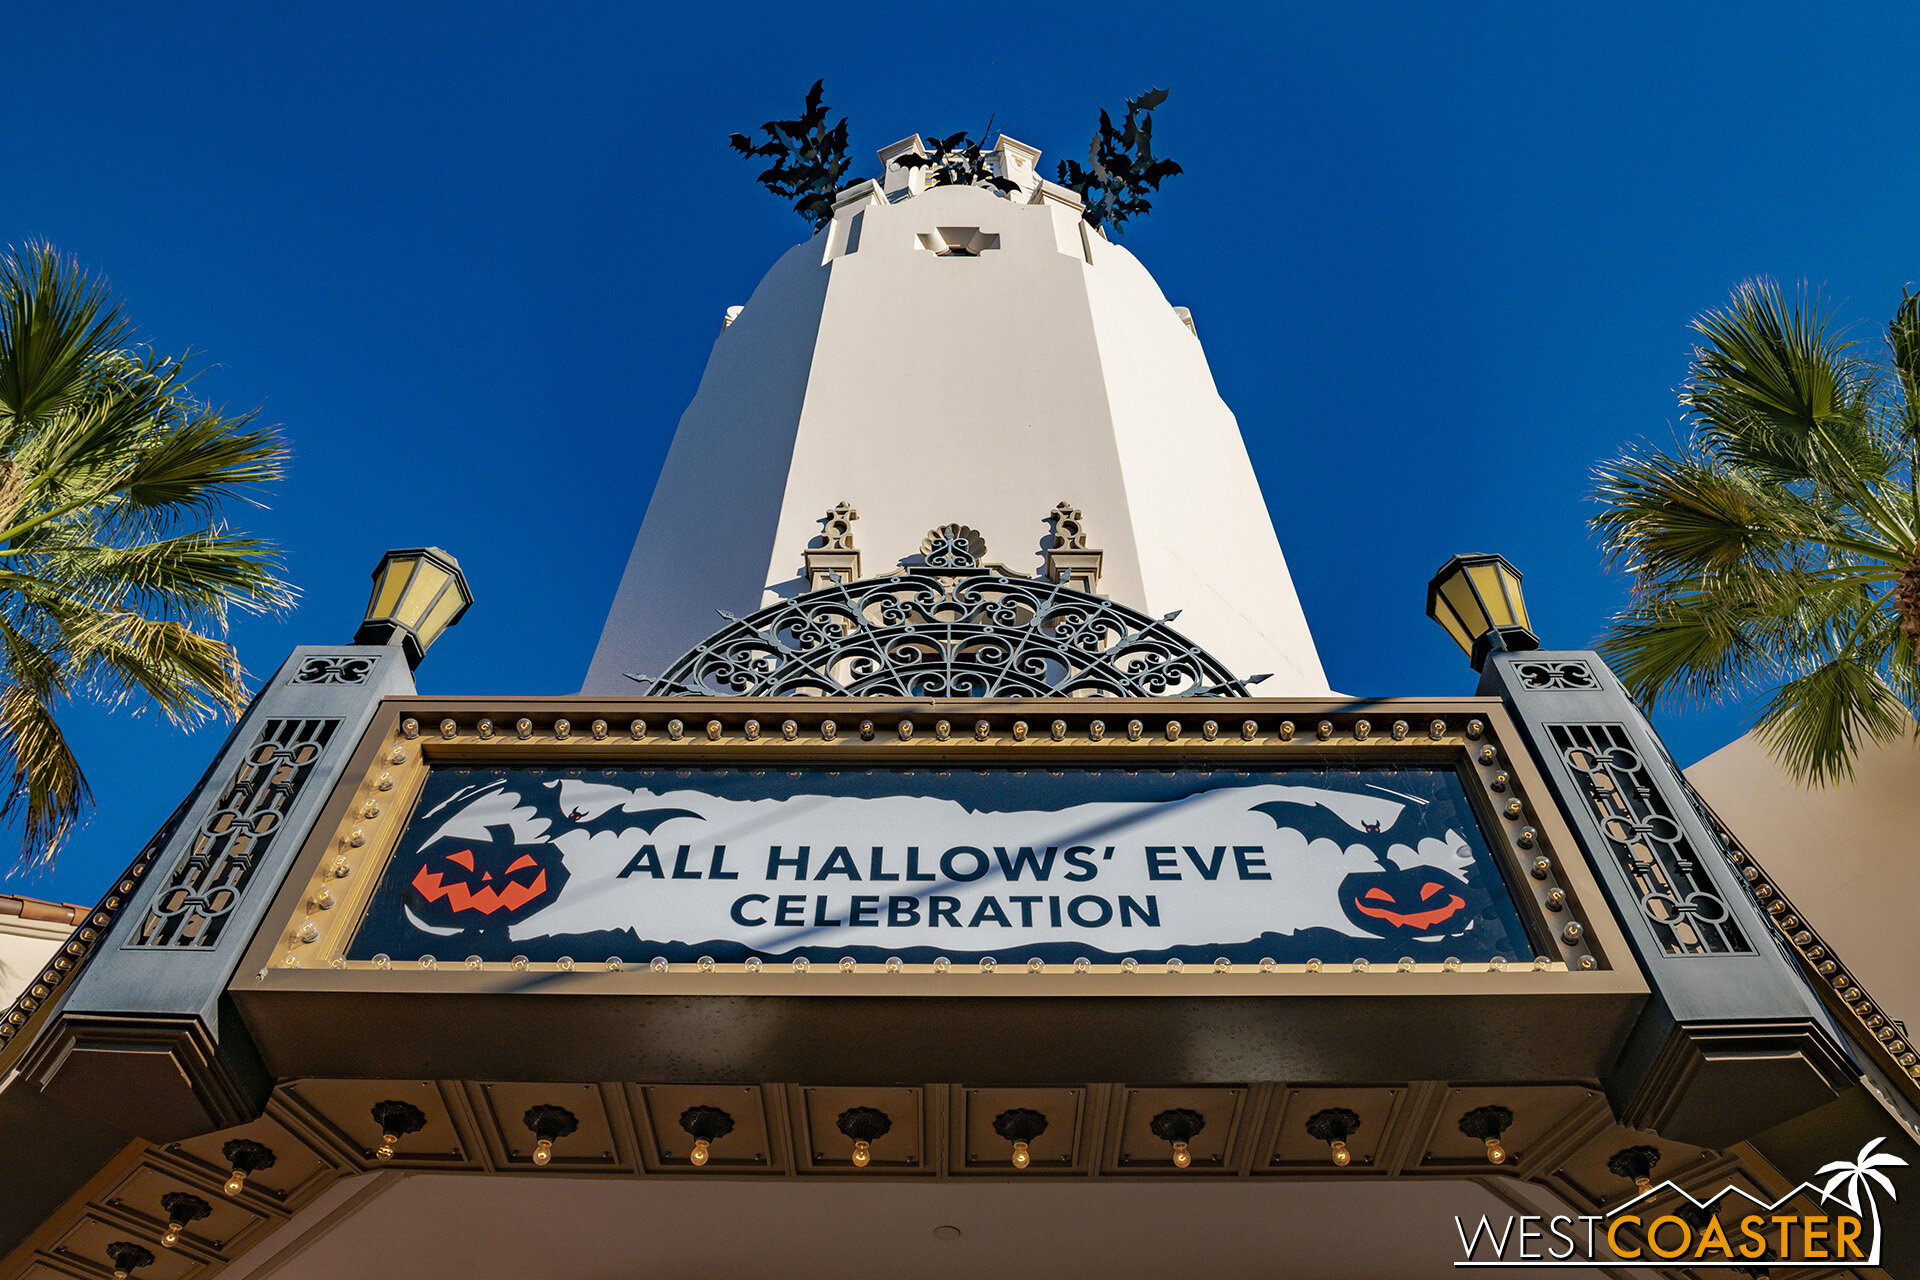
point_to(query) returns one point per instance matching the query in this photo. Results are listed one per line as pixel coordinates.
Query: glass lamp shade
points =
(1476, 599)
(417, 594)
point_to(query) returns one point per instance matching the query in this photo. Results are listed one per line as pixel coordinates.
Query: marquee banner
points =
(1290, 864)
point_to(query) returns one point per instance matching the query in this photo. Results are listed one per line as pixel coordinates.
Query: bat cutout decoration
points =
(1121, 167)
(809, 158)
(958, 161)
(1415, 901)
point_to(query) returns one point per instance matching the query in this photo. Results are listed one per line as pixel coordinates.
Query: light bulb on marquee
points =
(1487, 1124)
(548, 1124)
(396, 1120)
(244, 1157)
(181, 1208)
(866, 1126)
(1020, 1126)
(706, 1126)
(1334, 1126)
(1636, 1163)
(126, 1256)
(1179, 1127)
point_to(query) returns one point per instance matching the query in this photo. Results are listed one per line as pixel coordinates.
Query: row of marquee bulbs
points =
(866, 1125)
(863, 1125)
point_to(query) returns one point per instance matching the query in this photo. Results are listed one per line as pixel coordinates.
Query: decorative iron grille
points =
(1559, 675)
(1676, 893)
(333, 668)
(952, 630)
(209, 879)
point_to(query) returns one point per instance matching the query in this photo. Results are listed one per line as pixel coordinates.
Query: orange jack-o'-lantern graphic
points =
(464, 883)
(1418, 902)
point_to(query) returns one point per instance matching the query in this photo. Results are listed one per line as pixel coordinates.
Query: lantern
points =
(1477, 599)
(417, 594)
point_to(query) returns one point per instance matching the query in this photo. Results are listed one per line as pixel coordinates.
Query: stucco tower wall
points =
(980, 390)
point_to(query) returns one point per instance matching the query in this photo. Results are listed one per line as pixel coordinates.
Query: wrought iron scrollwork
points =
(1677, 895)
(209, 879)
(1556, 676)
(333, 668)
(948, 630)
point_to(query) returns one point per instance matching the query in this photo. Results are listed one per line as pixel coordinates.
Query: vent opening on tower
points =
(959, 242)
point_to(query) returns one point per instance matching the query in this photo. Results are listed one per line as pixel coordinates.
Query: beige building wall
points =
(30, 932)
(1847, 856)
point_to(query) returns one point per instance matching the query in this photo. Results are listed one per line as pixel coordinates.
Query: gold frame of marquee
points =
(327, 892)
(1011, 1025)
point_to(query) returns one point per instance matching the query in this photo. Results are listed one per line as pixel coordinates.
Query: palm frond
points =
(1816, 724)
(205, 572)
(116, 573)
(189, 676)
(55, 324)
(1666, 514)
(46, 791)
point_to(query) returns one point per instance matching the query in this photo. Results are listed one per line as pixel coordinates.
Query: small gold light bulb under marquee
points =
(1022, 1157)
(1341, 1156)
(543, 1151)
(236, 1183)
(862, 1153)
(701, 1149)
(1496, 1153)
(1182, 1156)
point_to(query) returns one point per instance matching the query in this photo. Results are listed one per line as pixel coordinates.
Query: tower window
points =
(959, 242)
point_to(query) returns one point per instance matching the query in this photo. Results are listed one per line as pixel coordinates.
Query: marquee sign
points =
(1290, 864)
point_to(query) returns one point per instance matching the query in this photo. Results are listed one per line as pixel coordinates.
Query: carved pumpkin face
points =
(465, 883)
(1420, 902)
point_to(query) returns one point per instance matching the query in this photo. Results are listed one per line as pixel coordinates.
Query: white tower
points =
(947, 354)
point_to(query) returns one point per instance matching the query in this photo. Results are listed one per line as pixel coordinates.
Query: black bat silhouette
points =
(545, 799)
(1394, 902)
(1316, 821)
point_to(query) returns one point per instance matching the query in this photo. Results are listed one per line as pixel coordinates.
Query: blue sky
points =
(472, 258)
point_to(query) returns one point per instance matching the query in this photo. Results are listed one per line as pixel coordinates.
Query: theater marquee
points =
(711, 838)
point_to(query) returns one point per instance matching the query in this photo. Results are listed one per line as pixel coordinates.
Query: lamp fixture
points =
(1477, 600)
(549, 1124)
(706, 1125)
(245, 1156)
(1636, 1163)
(126, 1256)
(1178, 1126)
(866, 1126)
(1020, 1126)
(1487, 1124)
(181, 1207)
(1333, 1127)
(1696, 1216)
(396, 1120)
(417, 594)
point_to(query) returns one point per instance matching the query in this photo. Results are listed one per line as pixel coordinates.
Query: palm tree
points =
(116, 572)
(1779, 546)
(1859, 1176)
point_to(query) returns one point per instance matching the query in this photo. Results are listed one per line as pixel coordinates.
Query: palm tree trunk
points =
(1906, 596)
